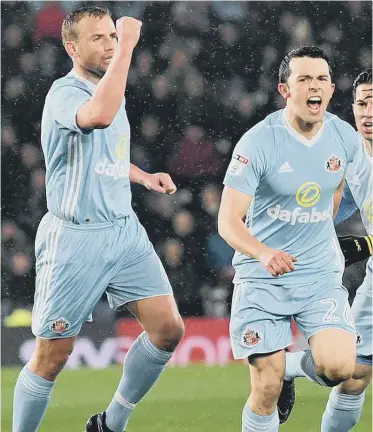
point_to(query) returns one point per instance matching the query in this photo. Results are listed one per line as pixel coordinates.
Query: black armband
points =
(356, 248)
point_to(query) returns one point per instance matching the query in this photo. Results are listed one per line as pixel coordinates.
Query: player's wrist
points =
(125, 46)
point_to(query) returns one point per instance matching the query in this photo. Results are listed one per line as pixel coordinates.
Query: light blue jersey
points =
(90, 242)
(359, 191)
(87, 178)
(358, 194)
(292, 180)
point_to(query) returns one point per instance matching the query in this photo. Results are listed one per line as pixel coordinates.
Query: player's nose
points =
(368, 112)
(314, 84)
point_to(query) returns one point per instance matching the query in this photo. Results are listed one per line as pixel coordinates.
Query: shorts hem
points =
(364, 360)
(352, 331)
(142, 298)
(56, 337)
(261, 352)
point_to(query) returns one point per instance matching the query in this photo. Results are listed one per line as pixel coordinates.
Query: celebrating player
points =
(283, 174)
(91, 241)
(346, 401)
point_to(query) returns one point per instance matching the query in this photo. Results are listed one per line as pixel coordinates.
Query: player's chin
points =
(315, 117)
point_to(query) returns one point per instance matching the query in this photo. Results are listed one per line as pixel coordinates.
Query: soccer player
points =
(282, 176)
(346, 401)
(91, 241)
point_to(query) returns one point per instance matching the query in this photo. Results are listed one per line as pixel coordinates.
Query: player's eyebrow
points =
(102, 34)
(309, 76)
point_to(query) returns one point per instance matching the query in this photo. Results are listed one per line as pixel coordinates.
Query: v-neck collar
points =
(89, 84)
(299, 137)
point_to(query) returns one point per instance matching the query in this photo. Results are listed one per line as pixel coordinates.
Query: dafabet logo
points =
(308, 195)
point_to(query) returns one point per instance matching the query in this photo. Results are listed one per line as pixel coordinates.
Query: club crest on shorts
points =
(333, 164)
(251, 338)
(59, 326)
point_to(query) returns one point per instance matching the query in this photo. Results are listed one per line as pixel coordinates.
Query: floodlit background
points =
(202, 74)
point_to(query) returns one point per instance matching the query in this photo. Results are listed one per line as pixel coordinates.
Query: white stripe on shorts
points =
(79, 147)
(44, 282)
(66, 189)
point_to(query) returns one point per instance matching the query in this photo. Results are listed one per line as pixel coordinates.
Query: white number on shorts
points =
(348, 316)
(329, 317)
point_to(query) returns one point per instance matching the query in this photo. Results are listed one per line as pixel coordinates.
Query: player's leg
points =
(266, 373)
(260, 330)
(327, 325)
(346, 401)
(36, 381)
(147, 357)
(143, 286)
(67, 288)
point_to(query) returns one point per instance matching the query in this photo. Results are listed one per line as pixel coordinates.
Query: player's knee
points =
(336, 372)
(266, 392)
(48, 360)
(354, 387)
(171, 332)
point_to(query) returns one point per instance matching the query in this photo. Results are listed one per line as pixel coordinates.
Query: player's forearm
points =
(236, 234)
(110, 91)
(137, 175)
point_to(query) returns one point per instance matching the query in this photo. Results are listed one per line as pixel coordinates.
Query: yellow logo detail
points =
(121, 147)
(308, 194)
(368, 210)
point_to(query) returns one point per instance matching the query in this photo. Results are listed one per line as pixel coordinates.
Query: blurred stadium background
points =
(202, 74)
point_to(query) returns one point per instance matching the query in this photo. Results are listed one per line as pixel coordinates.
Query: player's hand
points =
(160, 182)
(277, 262)
(128, 31)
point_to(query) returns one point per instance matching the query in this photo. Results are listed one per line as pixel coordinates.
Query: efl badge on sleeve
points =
(237, 164)
(333, 164)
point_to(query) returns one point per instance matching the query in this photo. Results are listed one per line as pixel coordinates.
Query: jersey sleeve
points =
(247, 165)
(347, 207)
(65, 102)
(351, 140)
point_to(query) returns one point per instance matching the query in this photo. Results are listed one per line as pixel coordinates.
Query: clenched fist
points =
(160, 182)
(128, 31)
(277, 262)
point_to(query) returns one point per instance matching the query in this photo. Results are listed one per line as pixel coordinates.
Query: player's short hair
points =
(364, 77)
(305, 51)
(70, 21)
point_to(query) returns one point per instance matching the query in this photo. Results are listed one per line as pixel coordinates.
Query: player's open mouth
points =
(314, 103)
(367, 127)
(107, 60)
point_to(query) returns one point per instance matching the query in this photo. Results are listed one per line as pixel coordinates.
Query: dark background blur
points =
(202, 74)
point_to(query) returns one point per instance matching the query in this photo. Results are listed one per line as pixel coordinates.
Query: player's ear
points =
(284, 90)
(70, 48)
(333, 88)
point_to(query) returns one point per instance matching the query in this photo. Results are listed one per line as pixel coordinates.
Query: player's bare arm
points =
(101, 109)
(159, 182)
(233, 208)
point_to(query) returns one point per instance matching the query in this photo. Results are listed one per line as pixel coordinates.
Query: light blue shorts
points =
(261, 314)
(76, 264)
(362, 313)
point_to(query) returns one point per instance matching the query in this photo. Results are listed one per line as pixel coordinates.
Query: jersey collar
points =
(299, 137)
(75, 74)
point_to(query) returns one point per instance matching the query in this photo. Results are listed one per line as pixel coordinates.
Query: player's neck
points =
(368, 146)
(308, 130)
(84, 73)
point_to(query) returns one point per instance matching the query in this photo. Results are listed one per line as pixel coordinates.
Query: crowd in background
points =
(202, 74)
